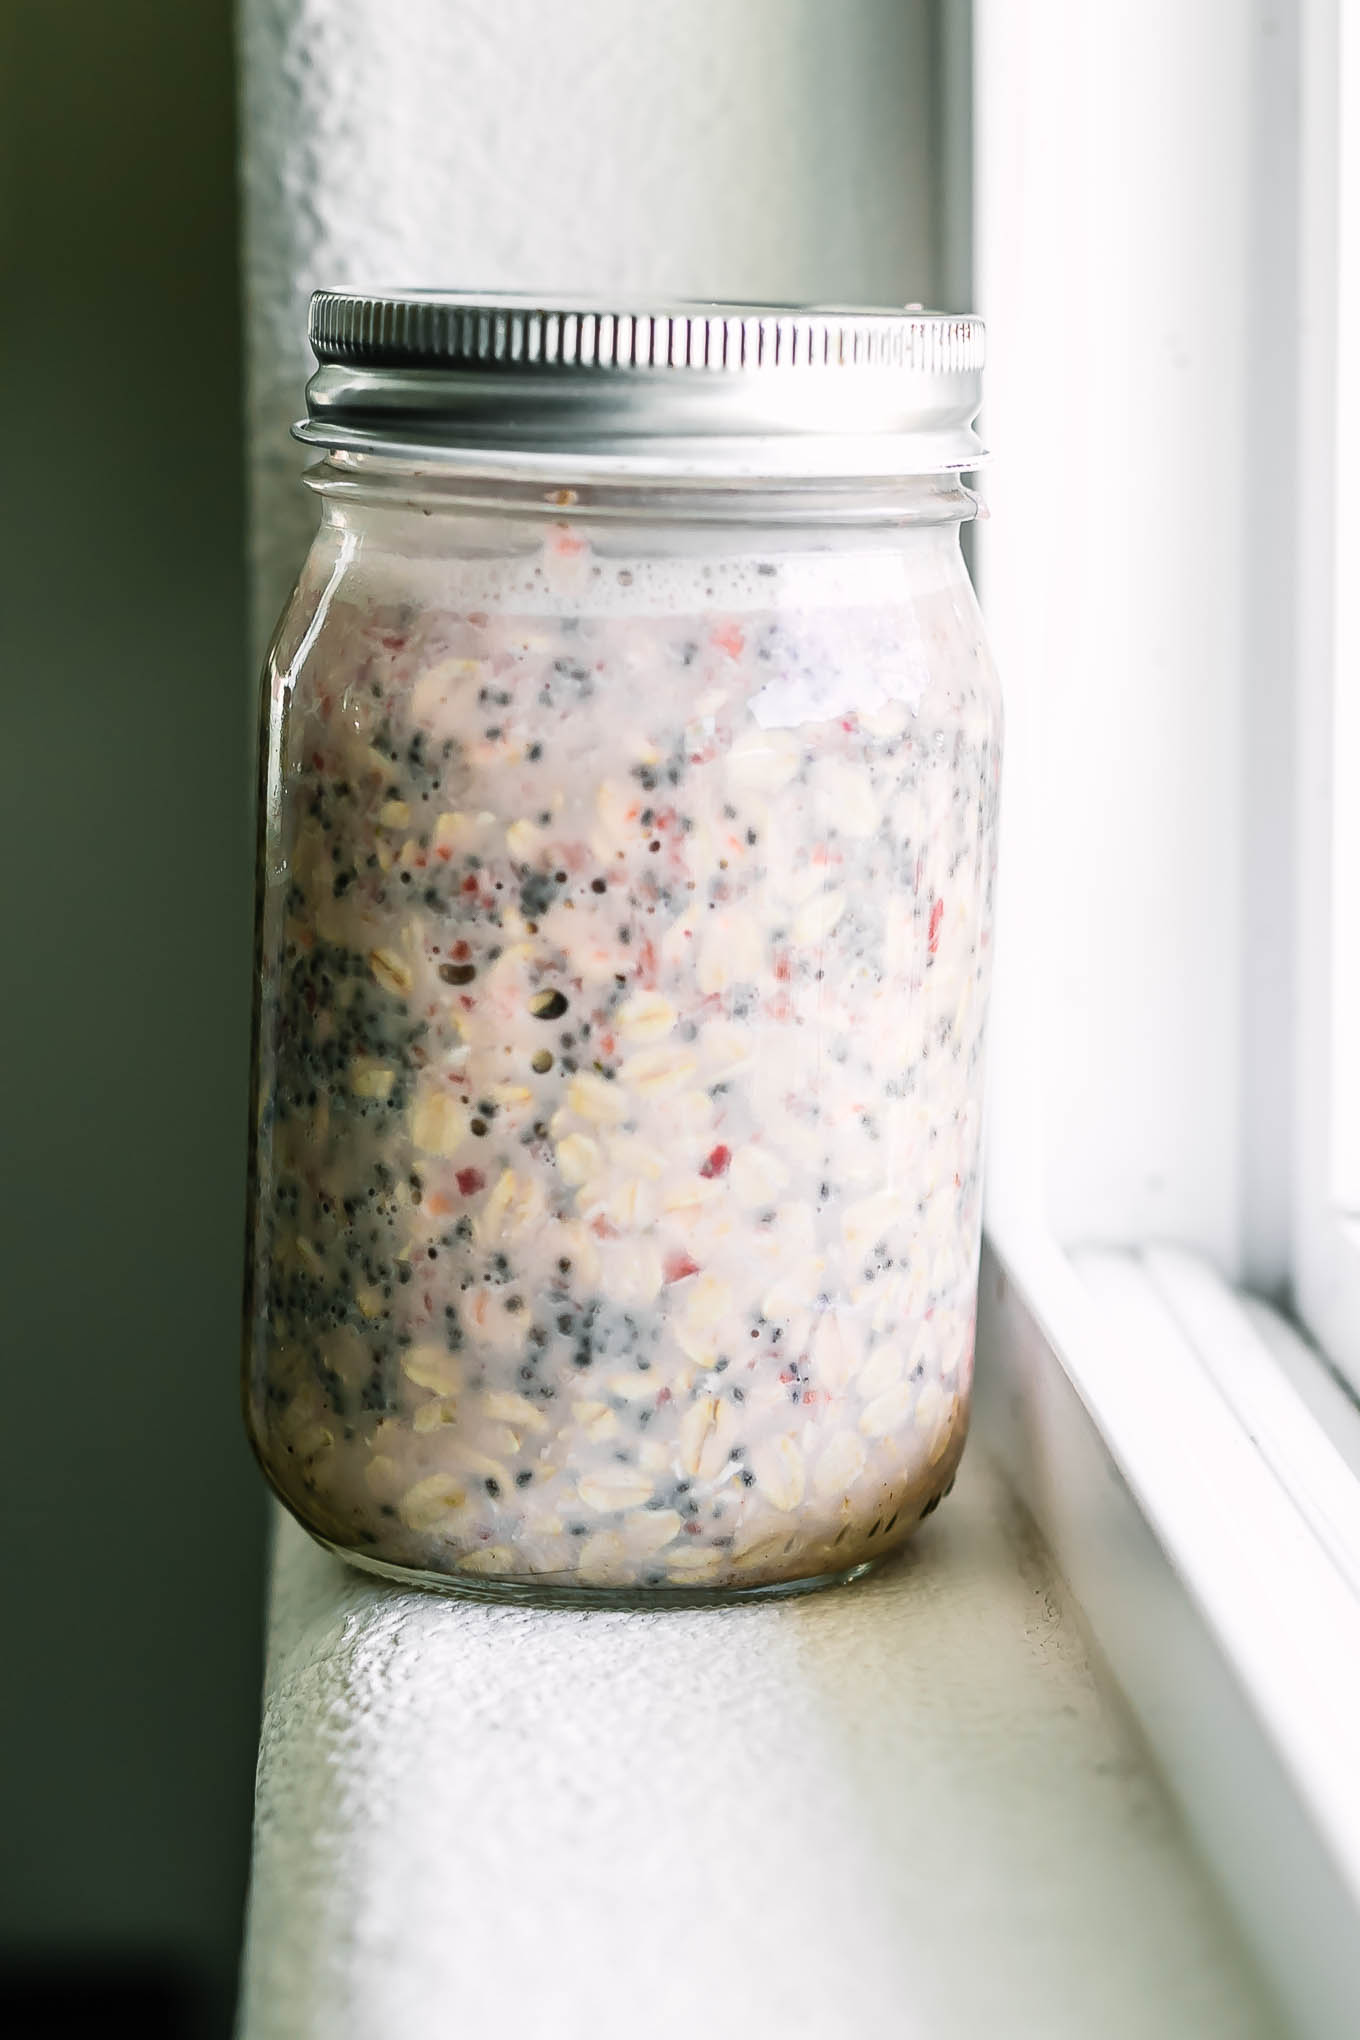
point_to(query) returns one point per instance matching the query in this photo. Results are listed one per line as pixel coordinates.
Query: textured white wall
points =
(767, 149)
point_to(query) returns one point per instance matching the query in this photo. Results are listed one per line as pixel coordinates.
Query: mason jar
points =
(630, 756)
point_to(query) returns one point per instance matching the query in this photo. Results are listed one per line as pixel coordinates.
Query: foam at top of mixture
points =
(565, 574)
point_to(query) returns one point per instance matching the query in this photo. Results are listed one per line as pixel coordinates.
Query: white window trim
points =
(1326, 1246)
(1229, 1628)
(1208, 1524)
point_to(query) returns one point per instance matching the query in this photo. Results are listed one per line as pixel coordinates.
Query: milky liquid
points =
(624, 958)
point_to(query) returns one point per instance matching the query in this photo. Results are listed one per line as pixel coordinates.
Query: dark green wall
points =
(133, 1520)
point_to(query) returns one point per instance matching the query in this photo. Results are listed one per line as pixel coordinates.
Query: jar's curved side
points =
(293, 639)
(397, 1399)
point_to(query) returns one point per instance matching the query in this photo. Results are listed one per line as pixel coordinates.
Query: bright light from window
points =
(1346, 668)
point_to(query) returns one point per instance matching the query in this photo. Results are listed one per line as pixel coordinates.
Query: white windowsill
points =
(909, 1808)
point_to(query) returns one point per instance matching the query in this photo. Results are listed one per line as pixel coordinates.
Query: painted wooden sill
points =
(910, 1808)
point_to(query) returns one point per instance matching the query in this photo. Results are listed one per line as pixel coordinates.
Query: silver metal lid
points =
(518, 385)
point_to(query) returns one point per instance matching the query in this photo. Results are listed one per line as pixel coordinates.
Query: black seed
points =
(479, 1127)
(547, 1005)
(542, 1062)
(458, 973)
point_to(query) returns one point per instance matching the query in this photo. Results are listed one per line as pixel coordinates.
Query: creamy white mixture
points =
(624, 960)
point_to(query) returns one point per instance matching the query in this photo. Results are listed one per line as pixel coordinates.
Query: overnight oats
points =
(624, 924)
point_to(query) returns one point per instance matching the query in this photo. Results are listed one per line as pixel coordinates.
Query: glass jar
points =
(628, 815)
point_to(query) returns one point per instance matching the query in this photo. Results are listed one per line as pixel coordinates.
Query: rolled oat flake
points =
(630, 754)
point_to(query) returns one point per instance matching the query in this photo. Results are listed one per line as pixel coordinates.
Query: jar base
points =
(531, 1593)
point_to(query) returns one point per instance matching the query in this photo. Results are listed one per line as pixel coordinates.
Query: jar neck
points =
(346, 480)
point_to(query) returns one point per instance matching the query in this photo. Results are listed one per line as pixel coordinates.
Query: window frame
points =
(1326, 1236)
(1190, 1490)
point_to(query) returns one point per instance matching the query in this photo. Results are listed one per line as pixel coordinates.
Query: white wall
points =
(749, 148)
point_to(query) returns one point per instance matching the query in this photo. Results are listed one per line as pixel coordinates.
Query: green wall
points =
(132, 1517)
